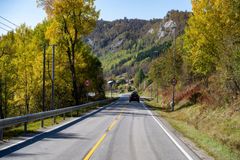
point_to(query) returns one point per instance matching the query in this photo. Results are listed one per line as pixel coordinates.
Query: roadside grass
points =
(35, 127)
(217, 131)
(114, 94)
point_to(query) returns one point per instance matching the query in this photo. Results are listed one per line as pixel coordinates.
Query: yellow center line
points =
(114, 122)
(112, 125)
(94, 148)
(90, 153)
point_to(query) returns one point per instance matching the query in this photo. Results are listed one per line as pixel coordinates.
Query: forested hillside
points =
(124, 45)
(207, 52)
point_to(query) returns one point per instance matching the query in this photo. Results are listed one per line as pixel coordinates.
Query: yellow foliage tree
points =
(71, 20)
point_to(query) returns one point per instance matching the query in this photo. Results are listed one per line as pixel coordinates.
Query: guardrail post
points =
(1, 134)
(54, 119)
(77, 113)
(42, 123)
(25, 128)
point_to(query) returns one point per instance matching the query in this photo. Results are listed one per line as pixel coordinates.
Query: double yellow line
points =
(94, 148)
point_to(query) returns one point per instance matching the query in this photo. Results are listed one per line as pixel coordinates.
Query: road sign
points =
(174, 81)
(87, 83)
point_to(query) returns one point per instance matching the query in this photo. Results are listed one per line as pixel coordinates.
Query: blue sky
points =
(142, 9)
(19, 12)
(26, 11)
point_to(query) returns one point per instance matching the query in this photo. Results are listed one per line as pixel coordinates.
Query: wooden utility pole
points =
(1, 110)
(53, 74)
(174, 68)
(44, 77)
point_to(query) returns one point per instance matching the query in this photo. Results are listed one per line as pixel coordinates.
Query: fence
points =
(13, 121)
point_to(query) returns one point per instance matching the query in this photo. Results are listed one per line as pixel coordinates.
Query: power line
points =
(9, 21)
(4, 29)
(6, 25)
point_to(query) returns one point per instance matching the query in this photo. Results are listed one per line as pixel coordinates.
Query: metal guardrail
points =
(145, 98)
(8, 122)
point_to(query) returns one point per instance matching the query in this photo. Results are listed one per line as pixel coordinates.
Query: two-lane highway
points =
(122, 131)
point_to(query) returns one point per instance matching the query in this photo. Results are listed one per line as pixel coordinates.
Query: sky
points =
(26, 11)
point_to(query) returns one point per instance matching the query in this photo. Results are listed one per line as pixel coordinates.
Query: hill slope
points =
(122, 45)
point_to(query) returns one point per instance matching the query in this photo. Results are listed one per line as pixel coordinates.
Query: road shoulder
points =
(199, 152)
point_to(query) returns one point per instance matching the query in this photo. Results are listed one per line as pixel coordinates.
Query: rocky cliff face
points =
(125, 34)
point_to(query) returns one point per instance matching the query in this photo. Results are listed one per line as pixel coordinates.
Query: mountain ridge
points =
(133, 38)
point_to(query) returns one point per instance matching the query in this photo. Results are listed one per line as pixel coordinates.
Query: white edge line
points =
(50, 130)
(169, 135)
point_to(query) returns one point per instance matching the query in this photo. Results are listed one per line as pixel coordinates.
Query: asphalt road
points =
(123, 131)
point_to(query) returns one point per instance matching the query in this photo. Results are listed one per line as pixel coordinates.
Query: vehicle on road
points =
(134, 97)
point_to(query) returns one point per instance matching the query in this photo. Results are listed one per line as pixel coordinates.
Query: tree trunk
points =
(74, 83)
(71, 59)
(73, 73)
(237, 87)
(206, 82)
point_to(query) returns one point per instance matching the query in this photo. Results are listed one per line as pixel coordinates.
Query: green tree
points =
(138, 78)
(24, 61)
(7, 70)
(162, 69)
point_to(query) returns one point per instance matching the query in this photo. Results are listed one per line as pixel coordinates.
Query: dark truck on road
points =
(134, 97)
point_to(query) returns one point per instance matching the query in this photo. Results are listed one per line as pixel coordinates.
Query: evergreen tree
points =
(138, 78)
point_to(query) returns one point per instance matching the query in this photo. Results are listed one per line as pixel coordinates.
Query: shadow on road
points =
(43, 135)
